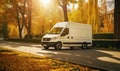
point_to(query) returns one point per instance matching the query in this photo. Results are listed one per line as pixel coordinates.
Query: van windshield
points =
(56, 30)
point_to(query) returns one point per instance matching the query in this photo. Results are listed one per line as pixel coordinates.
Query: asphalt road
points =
(100, 58)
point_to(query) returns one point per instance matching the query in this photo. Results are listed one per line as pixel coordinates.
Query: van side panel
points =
(79, 33)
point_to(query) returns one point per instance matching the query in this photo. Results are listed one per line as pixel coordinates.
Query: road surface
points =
(99, 58)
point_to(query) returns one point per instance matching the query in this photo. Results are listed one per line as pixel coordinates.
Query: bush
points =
(103, 36)
(107, 43)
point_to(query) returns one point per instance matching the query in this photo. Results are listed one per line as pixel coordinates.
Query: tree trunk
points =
(29, 18)
(5, 30)
(20, 33)
(63, 4)
(65, 12)
(18, 22)
(117, 20)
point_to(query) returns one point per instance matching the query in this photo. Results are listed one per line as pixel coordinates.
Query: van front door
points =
(65, 37)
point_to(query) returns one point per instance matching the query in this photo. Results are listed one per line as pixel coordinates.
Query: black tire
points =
(71, 48)
(84, 45)
(46, 47)
(58, 46)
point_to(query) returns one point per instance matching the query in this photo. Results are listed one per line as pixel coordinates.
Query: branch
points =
(60, 3)
(16, 5)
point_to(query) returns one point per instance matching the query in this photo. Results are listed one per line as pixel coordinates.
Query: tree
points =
(20, 12)
(104, 17)
(29, 14)
(117, 20)
(64, 4)
(23, 15)
(3, 19)
(79, 14)
(93, 14)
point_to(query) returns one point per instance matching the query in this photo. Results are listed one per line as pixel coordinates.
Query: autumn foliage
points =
(30, 18)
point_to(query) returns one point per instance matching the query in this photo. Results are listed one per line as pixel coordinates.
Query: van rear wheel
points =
(84, 45)
(58, 46)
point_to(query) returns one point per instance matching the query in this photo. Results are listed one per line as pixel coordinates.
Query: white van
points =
(68, 34)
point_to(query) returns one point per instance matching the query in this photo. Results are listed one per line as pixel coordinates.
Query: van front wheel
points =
(58, 46)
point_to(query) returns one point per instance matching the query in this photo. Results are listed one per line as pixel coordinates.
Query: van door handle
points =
(68, 37)
(71, 37)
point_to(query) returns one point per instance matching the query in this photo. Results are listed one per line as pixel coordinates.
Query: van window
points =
(56, 30)
(65, 32)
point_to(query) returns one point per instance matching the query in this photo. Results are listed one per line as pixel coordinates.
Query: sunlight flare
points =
(45, 2)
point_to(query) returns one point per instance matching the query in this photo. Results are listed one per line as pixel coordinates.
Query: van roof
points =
(63, 24)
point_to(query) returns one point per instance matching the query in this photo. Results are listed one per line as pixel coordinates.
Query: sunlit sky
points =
(110, 4)
(45, 2)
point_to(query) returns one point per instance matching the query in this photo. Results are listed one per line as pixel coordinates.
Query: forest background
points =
(34, 18)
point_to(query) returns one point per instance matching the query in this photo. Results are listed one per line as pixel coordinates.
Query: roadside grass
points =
(11, 60)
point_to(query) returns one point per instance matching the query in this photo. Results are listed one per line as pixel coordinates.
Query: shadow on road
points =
(89, 57)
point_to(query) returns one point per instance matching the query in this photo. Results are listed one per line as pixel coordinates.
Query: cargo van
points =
(68, 34)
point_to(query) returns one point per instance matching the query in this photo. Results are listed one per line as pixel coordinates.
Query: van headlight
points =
(46, 39)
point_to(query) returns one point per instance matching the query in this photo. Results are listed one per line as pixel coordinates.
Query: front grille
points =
(46, 39)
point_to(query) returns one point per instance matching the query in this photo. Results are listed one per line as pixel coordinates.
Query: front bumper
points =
(49, 44)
